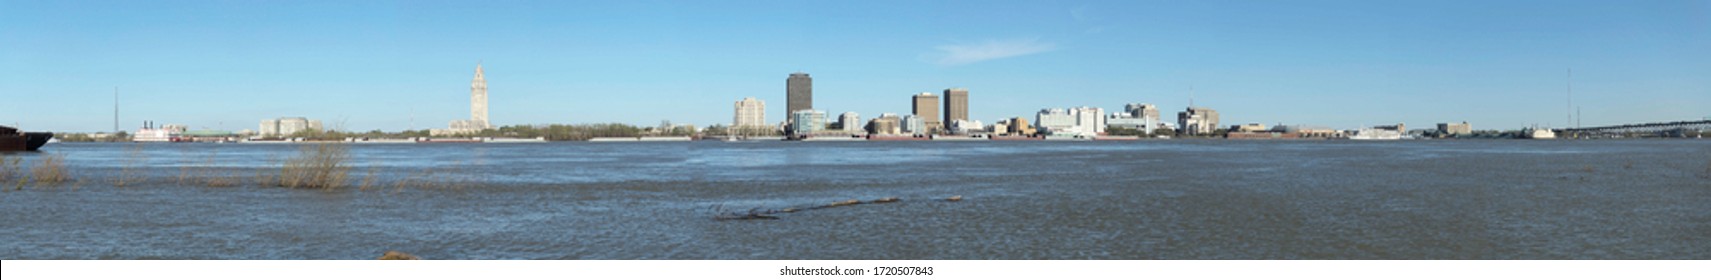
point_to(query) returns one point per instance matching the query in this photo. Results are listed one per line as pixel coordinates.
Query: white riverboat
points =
(1376, 134)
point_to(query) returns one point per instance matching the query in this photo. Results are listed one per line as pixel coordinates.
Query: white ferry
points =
(1376, 134)
(1539, 133)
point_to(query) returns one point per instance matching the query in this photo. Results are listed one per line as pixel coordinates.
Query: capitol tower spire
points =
(478, 99)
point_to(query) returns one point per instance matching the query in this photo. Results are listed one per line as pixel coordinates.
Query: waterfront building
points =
(1198, 121)
(750, 114)
(965, 127)
(885, 124)
(1020, 126)
(1083, 121)
(1002, 127)
(1309, 131)
(287, 126)
(914, 124)
(807, 122)
(1142, 110)
(1137, 116)
(926, 108)
(1453, 129)
(1251, 127)
(798, 93)
(477, 109)
(956, 105)
(1261, 135)
(850, 122)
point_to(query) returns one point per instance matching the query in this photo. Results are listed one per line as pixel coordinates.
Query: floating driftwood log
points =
(758, 214)
(396, 255)
(753, 214)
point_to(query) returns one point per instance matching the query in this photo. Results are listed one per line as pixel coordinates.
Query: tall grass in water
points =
(50, 169)
(11, 168)
(317, 166)
(131, 167)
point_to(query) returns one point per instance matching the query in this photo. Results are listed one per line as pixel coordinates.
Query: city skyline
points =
(1344, 65)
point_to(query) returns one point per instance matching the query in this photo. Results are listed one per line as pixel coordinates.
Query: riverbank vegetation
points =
(317, 166)
(46, 170)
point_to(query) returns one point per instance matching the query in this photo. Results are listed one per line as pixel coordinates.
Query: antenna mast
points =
(116, 110)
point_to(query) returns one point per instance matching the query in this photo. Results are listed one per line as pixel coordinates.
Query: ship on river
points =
(13, 140)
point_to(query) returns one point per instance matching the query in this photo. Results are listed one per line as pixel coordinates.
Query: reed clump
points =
(11, 168)
(50, 169)
(211, 175)
(131, 166)
(318, 166)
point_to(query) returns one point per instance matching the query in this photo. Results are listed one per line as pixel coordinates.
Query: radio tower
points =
(116, 110)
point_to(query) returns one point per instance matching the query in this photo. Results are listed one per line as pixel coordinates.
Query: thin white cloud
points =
(1084, 15)
(951, 55)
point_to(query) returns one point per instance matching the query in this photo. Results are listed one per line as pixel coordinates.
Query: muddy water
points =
(1179, 199)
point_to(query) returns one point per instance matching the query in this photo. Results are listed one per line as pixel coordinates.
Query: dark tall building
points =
(956, 105)
(799, 93)
(926, 107)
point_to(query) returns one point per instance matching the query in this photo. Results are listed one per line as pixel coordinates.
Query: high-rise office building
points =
(926, 109)
(799, 93)
(750, 114)
(956, 105)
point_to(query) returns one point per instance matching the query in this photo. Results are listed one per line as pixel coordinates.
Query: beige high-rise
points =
(751, 113)
(926, 107)
(478, 99)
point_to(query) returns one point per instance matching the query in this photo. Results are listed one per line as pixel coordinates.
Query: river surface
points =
(1175, 199)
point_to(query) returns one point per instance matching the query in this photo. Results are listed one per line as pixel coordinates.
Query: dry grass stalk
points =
(318, 166)
(367, 179)
(50, 169)
(11, 168)
(442, 177)
(184, 164)
(212, 176)
(134, 157)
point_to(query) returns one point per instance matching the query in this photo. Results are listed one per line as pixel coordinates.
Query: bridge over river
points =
(1663, 129)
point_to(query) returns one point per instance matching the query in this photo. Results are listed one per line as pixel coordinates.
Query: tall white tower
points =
(478, 99)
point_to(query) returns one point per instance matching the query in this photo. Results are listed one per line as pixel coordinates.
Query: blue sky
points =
(396, 65)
